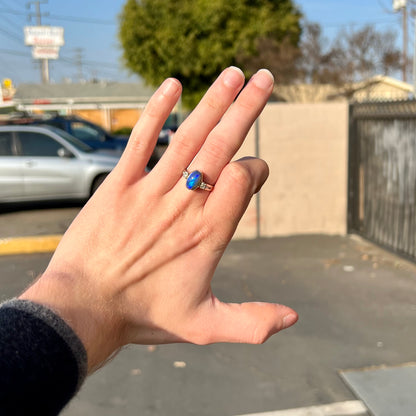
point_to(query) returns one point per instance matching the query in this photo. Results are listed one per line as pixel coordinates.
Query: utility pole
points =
(44, 62)
(79, 58)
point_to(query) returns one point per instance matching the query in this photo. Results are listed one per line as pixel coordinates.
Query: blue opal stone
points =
(194, 180)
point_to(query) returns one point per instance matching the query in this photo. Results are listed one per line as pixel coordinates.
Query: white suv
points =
(46, 163)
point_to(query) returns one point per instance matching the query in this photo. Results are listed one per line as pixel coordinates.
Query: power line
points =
(15, 12)
(94, 64)
(5, 4)
(83, 20)
(13, 52)
(12, 31)
(11, 35)
(19, 15)
(355, 23)
(60, 17)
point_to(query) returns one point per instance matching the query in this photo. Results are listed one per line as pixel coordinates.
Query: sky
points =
(92, 49)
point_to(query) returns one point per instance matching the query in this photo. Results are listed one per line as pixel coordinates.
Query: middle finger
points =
(226, 138)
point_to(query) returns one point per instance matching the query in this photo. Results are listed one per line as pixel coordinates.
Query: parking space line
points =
(27, 245)
(348, 408)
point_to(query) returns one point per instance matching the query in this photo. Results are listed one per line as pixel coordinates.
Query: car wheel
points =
(97, 182)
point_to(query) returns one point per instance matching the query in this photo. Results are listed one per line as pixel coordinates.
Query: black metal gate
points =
(382, 174)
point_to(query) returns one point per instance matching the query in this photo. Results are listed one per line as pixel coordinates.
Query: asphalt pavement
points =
(357, 308)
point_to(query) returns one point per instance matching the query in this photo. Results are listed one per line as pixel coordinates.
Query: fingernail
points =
(233, 77)
(263, 79)
(170, 87)
(289, 320)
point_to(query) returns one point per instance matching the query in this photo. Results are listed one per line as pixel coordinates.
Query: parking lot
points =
(357, 309)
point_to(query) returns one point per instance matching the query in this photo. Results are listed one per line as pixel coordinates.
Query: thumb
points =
(252, 322)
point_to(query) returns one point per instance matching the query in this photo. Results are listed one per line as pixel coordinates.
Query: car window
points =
(84, 132)
(5, 143)
(71, 139)
(57, 124)
(38, 144)
(171, 123)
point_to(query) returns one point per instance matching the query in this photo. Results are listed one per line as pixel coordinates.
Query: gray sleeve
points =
(60, 326)
(42, 361)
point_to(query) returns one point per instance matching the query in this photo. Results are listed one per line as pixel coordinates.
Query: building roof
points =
(101, 92)
(305, 93)
(379, 87)
(383, 79)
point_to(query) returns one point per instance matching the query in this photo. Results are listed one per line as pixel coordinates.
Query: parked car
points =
(89, 133)
(46, 163)
(168, 129)
(93, 134)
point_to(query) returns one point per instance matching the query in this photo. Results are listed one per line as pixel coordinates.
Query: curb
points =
(28, 245)
(348, 408)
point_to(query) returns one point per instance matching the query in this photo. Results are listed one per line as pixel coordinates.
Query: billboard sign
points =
(44, 35)
(45, 52)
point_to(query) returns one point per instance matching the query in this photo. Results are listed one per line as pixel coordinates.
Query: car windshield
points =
(73, 140)
(171, 123)
(84, 131)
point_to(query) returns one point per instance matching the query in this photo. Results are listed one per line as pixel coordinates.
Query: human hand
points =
(136, 264)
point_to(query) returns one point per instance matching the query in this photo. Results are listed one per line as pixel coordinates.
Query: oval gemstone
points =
(194, 180)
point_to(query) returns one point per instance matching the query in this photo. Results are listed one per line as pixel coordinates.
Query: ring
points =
(195, 180)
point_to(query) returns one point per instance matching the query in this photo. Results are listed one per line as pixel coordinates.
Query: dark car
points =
(92, 134)
(89, 133)
(168, 129)
(97, 137)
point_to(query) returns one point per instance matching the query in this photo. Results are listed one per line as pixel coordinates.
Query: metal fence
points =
(382, 174)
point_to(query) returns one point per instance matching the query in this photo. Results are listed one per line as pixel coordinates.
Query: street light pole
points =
(401, 5)
(414, 54)
(405, 42)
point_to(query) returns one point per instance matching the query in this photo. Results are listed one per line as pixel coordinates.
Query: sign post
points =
(45, 42)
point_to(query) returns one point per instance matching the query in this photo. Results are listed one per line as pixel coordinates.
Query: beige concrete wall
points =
(306, 147)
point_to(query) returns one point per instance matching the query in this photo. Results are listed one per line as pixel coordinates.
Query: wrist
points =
(97, 329)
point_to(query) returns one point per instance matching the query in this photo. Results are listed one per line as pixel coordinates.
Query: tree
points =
(366, 52)
(279, 57)
(317, 62)
(193, 40)
(363, 54)
(354, 55)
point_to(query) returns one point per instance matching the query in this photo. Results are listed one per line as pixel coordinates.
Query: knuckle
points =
(182, 143)
(240, 175)
(246, 104)
(217, 148)
(152, 109)
(203, 339)
(213, 103)
(183, 138)
(259, 336)
(137, 145)
(199, 337)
